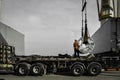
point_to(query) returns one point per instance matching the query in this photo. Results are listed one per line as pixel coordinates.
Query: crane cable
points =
(86, 43)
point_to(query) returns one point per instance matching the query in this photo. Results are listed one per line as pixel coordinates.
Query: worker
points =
(76, 48)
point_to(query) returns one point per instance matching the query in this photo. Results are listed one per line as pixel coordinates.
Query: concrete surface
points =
(109, 75)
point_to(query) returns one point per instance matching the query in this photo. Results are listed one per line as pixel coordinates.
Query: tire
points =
(77, 70)
(94, 69)
(22, 69)
(37, 69)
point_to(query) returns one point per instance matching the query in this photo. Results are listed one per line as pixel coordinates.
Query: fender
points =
(94, 63)
(79, 63)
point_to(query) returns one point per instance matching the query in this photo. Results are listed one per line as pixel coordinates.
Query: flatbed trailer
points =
(40, 65)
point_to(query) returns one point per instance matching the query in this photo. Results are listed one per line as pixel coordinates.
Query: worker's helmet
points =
(76, 40)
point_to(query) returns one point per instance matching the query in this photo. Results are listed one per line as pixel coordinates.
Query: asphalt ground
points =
(108, 75)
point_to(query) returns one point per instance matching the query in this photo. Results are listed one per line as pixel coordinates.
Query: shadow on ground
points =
(111, 73)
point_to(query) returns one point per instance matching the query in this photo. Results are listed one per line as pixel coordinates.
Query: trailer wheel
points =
(37, 69)
(22, 69)
(94, 69)
(77, 70)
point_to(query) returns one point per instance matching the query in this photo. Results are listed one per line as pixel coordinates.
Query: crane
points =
(86, 43)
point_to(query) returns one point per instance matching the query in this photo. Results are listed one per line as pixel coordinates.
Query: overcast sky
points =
(49, 26)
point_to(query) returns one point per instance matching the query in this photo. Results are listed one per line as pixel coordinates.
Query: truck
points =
(40, 65)
(106, 54)
(107, 43)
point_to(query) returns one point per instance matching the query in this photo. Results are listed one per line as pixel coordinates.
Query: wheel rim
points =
(77, 71)
(93, 70)
(36, 69)
(22, 70)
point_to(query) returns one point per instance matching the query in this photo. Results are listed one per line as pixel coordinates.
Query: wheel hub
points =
(93, 70)
(22, 70)
(77, 71)
(36, 69)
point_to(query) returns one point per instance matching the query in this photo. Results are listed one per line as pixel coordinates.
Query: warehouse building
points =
(12, 37)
